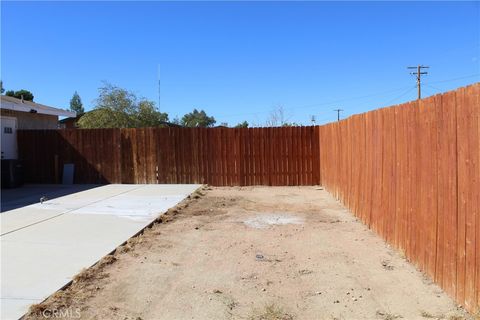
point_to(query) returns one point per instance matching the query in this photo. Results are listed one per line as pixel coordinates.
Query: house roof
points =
(11, 103)
(65, 120)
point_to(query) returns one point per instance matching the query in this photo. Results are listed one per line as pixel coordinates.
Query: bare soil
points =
(254, 253)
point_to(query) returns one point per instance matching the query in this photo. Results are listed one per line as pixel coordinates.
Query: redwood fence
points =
(410, 172)
(217, 156)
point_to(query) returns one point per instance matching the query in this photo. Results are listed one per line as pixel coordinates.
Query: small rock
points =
(386, 265)
(336, 301)
(305, 271)
(264, 289)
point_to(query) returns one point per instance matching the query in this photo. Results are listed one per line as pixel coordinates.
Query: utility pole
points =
(418, 75)
(338, 113)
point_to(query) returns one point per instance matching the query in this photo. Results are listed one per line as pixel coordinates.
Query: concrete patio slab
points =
(45, 245)
(31, 193)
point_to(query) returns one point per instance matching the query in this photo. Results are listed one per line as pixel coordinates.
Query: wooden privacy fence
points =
(217, 156)
(412, 173)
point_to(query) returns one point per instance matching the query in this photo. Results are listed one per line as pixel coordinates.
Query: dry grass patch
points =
(270, 312)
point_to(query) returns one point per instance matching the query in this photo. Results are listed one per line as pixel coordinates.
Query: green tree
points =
(2, 90)
(99, 118)
(243, 124)
(120, 108)
(27, 95)
(197, 119)
(76, 104)
(149, 116)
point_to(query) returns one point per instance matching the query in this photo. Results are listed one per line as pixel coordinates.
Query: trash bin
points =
(12, 173)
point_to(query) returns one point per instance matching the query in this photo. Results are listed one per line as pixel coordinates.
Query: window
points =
(7, 130)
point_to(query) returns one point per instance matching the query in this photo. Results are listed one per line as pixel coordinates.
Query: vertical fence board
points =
(468, 186)
(390, 184)
(447, 190)
(463, 176)
(369, 168)
(401, 187)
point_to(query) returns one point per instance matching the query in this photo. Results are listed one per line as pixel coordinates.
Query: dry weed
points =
(270, 312)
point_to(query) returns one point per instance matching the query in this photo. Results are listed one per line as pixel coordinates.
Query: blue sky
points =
(240, 60)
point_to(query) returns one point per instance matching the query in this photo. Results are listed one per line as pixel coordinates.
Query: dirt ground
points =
(254, 253)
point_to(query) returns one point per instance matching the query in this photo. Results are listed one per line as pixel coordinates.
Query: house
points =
(70, 122)
(19, 114)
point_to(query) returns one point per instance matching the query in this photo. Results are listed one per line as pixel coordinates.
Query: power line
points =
(454, 54)
(398, 97)
(455, 79)
(419, 77)
(429, 91)
(409, 89)
(429, 85)
(318, 104)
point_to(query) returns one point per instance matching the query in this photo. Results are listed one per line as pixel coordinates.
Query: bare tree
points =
(277, 118)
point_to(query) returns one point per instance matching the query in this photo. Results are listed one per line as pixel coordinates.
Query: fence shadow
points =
(217, 156)
(30, 194)
(44, 152)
